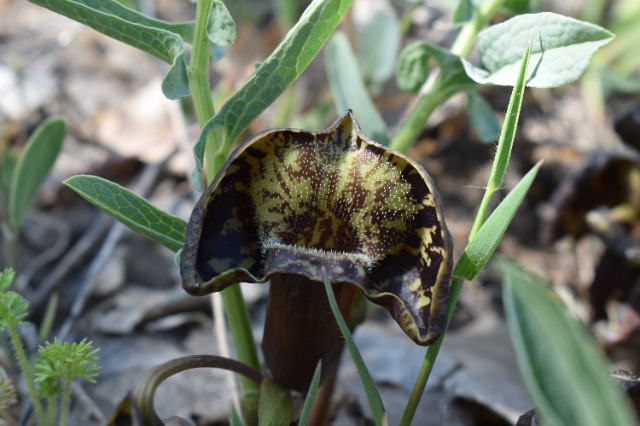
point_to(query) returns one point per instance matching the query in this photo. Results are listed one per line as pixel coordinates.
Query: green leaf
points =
(414, 61)
(158, 38)
(413, 67)
(33, 167)
(562, 50)
(301, 44)
(349, 91)
(130, 209)
(480, 249)
(378, 41)
(7, 167)
(462, 12)
(234, 418)
(276, 406)
(375, 402)
(311, 396)
(562, 367)
(221, 29)
(483, 120)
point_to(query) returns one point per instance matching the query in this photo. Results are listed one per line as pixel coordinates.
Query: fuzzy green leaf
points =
(13, 307)
(349, 91)
(564, 371)
(33, 167)
(221, 29)
(276, 406)
(562, 50)
(301, 44)
(130, 209)
(158, 38)
(480, 249)
(413, 67)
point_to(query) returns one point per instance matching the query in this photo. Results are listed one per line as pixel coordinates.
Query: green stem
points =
(51, 402)
(66, 399)
(240, 326)
(200, 87)
(198, 73)
(469, 33)
(415, 121)
(429, 360)
(496, 178)
(439, 92)
(31, 384)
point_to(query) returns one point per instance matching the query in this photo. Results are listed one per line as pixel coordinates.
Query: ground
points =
(123, 291)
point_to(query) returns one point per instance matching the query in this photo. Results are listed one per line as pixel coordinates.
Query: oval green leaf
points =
(33, 167)
(221, 29)
(131, 210)
(562, 49)
(562, 367)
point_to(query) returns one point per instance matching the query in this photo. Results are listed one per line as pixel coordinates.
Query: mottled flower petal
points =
(289, 201)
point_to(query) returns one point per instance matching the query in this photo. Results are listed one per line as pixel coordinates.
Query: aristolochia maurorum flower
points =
(291, 204)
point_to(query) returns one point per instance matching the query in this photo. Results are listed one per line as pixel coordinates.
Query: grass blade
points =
(375, 402)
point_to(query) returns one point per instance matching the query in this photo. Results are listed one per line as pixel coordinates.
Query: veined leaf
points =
(561, 50)
(131, 210)
(564, 371)
(221, 29)
(33, 167)
(349, 91)
(301, 44)
(158, 38)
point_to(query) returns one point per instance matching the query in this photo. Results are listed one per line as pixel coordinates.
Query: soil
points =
(124, 292)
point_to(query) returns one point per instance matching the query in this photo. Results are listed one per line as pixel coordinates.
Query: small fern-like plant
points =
(58, 365)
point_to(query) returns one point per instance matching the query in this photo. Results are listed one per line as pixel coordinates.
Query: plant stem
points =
(66, 399)
(429, 360)
(31, 384)
(496, 178)
(51, 403)
(240, 326)
(469, 32)
(439, 92)
(415, 121)
(145, 391)
(198, 73)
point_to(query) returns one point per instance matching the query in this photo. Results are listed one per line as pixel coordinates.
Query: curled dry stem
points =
(145, 391)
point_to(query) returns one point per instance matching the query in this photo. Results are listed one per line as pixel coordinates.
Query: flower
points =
(289, 204)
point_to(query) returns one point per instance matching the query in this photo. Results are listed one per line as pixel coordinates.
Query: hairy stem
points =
(28, 375)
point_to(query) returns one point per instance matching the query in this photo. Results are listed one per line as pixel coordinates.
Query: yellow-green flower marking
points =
(289, 201)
